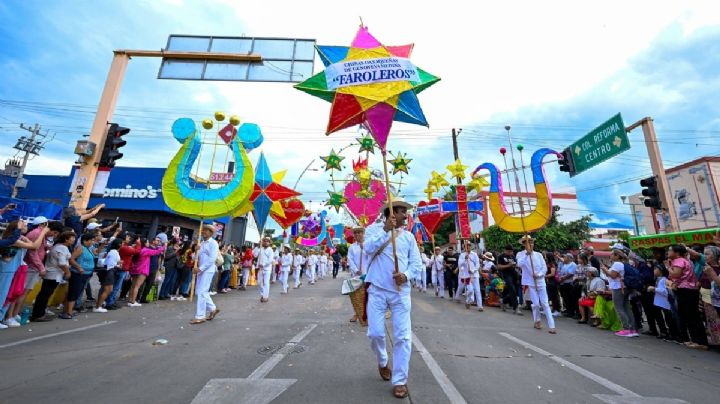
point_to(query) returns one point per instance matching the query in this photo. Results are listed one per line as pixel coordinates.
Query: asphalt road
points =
(300, 348)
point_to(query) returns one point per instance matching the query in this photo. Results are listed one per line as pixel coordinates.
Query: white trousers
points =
(378, 302)
(469, 296)
(246, 276)
(538, 297)
(202, 290)
(422, 280)
(264, 282)
(438, 279)
(296, 277)
(284, 272)
(311, 275)
(476, 291)
(273, 274)
(321, 271)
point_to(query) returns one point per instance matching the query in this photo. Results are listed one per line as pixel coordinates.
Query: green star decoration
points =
(367, 144)
(337, 200)
(400, 163)
(332, 162)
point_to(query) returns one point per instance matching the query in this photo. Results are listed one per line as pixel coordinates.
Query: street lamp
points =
(632, 211)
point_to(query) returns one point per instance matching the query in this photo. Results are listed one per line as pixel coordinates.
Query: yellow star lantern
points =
(478, 183)
(457, 169)
(438, 180)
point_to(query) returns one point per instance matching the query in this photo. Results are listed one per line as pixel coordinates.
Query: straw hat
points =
(488, 256)
(525, 238)
(397, 201)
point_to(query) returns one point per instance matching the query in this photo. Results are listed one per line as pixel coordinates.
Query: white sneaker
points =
(99, 310)
(12, 323)
(213, 293)
(173, 298)
(17, 318)
(3, 326)
(181, 298)
(556, 314)
(136, 304)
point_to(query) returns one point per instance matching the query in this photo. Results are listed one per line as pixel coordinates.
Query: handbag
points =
(351, 285)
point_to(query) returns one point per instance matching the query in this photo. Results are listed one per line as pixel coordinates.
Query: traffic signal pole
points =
(658, 169)
(85, 175)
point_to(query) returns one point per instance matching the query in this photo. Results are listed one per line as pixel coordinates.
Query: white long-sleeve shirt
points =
(469, 264)
(355, 252)
(380, 270)
(299, 260)
(209, 250)
(322, 262)
(285, 262)
(436, 263)
(265, 258)
(313, 261)
(532, 274)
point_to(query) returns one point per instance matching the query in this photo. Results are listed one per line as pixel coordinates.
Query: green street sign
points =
(602, 143)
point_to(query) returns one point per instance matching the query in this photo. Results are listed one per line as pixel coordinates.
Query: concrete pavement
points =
(301, 348)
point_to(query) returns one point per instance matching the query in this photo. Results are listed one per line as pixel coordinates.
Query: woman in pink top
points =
(685, 286)
(141, 268)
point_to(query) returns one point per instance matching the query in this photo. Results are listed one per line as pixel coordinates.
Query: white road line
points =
(278, 356)
(590, 375)
(25, 341)
(445, 384)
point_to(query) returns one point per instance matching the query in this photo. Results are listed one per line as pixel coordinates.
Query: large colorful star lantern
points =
(267, 194)
(478, 183)
(332, 162)
(400, 163)
(371, 84)
(337, 200)
(438, 180)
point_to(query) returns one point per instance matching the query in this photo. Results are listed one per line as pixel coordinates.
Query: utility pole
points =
(455, 134)
(658, 170)
(29, 146)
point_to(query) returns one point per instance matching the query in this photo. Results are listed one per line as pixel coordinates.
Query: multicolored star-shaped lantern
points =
(332, 162)
(369, 83)
(337, 200)
(367, 144)
(267, 194)
(457, 169)
(400, 163)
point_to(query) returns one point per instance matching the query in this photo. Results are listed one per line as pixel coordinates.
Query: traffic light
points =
(113, 143)
(651, 193)
(566, 163)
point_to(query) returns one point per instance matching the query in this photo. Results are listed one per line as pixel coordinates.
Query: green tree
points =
(554, 236)
(342, 249)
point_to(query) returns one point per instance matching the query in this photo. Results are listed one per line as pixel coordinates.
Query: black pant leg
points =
(41, 300)
(509, 293)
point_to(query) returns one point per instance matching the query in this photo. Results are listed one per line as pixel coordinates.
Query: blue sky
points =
(552, 71)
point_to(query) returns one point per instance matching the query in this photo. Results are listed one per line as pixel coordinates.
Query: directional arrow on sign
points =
(617, 141)
(577, 150)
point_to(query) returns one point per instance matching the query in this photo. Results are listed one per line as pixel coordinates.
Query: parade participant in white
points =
(465, 265)
(534, 270)
(322, 266)
(390, 289)
(285, 263)
(422, 278)
(471, 263)
(296, 265)
(312, 267)
(265, 267)
(438, 276)
(357, 259)
(206, 269)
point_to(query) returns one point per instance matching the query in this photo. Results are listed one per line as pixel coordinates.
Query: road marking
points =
(590, 375)
(278, 356)
(254, 389)
(25, 341)
(446, 385)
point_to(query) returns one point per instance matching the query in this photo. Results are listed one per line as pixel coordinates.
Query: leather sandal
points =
(354, 319)
(385, 373)
(197, 321)
(400, 391)
(213, 314)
